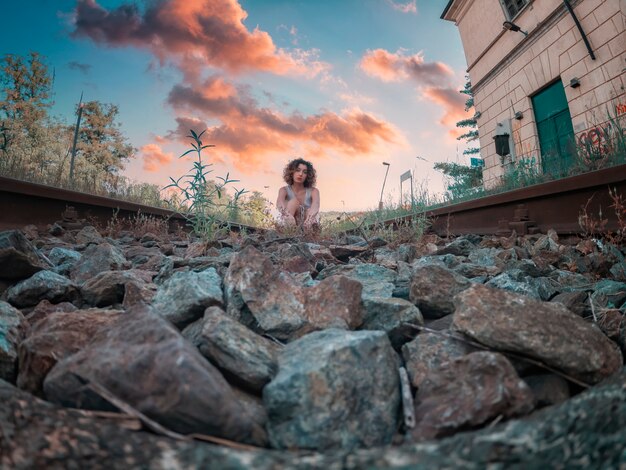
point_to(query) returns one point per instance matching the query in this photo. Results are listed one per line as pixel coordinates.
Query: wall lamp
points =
(509, 26)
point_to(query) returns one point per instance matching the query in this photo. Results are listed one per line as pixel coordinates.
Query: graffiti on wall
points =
(620, 109)
(600, 141)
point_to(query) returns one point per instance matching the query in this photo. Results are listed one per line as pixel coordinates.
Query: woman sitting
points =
(299, 201)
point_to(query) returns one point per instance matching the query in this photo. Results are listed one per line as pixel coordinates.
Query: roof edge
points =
(445, 10)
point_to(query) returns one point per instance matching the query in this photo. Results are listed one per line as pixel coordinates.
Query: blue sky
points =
(347, 84)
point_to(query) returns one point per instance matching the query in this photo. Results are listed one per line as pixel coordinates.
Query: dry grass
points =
(593, 226)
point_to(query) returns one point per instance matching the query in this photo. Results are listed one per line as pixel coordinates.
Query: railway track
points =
(553, 205)
(25, 203)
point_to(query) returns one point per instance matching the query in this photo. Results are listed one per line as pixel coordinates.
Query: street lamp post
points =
(380, 203)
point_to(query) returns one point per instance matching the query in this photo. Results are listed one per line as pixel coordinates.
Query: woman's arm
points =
(281, 202)
(315, 206)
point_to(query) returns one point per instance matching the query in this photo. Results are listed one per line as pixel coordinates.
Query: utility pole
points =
(80, 113)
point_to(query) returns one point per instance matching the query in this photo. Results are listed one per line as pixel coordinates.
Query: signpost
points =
(403, 177)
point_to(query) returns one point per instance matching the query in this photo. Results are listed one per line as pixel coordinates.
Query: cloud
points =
(453, 102)
(355, 98)
(83, 68)
(154, 157)
(248, 131)
(209, 36)
(388, 66)
(193, 33)
(408, 7)
(434, 80)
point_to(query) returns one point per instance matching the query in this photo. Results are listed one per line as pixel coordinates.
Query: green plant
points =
(462, 180)
(522, 172)
(206, 200)
(472, 134)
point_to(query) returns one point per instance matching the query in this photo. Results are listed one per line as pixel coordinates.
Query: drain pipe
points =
(580, 28)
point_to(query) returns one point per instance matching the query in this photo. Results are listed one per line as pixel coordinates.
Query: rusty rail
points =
(553, 205)
(24, 203)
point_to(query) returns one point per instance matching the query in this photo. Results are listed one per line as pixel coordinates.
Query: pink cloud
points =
(408, 7)
(154, 157)
(453, 103)
(388, 66)
(248, 131)
(192, 33)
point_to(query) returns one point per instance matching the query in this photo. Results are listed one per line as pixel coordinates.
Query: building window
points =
(513, 7)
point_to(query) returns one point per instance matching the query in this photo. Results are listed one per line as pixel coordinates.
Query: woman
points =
(299, 201)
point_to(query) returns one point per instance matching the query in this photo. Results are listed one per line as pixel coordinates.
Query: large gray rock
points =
(429, 351)
(458, 247)
(608, 294)
(545, 331)
(334, 389)
(273, 302)
(432, 289)
(468, 392)
(546, 288)
(12, 327)
(548, 389)
(545, 243)
(45, 308)
(333, 303)
(43, 285)
(145, 361)
(63, 259)
(486, 257)
(89, 234)
(585, 432)
(618, 271)
(18, 257)
(396, 317)
(258, 294)
(185, 295)
(528, 267)
(472, 270)
(514, 281)
(377, 281)
(96, 259)
(109, 287)
(55, 337)
(245, 357)
(575, 301)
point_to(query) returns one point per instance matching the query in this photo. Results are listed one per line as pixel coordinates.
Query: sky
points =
(345, 84)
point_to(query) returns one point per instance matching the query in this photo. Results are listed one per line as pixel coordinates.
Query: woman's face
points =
(300, 173)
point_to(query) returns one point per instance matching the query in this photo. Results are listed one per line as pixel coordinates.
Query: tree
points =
(472, 134)
(101, 145)
(25, 96)
(463, 179)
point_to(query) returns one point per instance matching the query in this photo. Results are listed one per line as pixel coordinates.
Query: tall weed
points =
(206, 201)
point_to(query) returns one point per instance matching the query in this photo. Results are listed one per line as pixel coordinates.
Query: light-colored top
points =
(307, 196)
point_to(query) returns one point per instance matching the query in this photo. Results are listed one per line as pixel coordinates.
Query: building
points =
(548, 77)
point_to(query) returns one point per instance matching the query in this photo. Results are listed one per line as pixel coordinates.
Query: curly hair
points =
(292, 166)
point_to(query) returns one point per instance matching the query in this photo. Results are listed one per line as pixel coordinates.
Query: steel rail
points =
(24, 203)
(553, 205)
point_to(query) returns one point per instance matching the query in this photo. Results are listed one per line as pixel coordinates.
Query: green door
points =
(554, 125)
